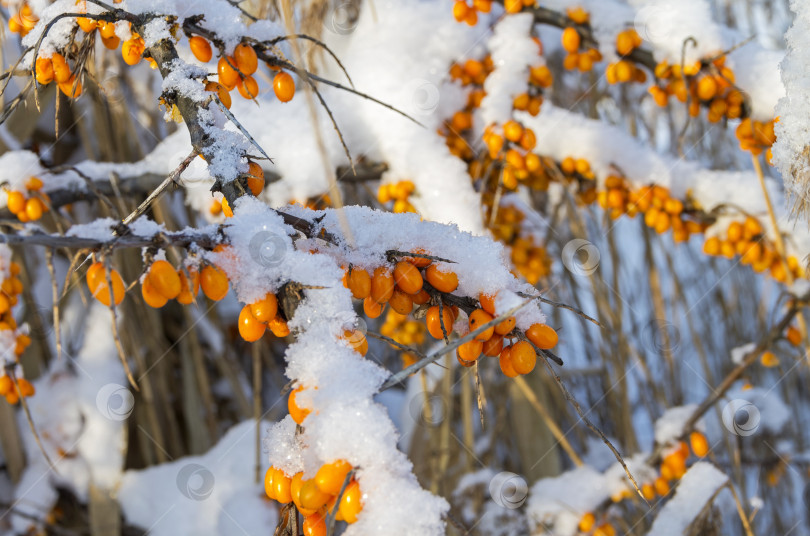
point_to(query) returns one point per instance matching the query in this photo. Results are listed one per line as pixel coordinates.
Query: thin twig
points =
(172, 178)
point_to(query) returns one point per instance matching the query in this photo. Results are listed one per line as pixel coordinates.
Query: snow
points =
(790, 149)
(698, 486)
(212, 494)
(670, 426)
(559, 502)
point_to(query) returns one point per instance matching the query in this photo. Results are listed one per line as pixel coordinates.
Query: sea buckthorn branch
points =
(544, 15)
(400, 376)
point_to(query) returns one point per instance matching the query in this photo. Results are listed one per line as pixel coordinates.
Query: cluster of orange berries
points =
(405, 331)
(576, 58)
(163, 283)
(11, 393)
(398, 192)
(317, 497)
(530, 260)
(673, 467)
(403, 287)
(56, 68)
(261, 315)
(745, 239)
(756, 136)
(472, 72)
(625, 70)
(792, 334)
(463, 12)
(23, 21)
(236, 71)
(10, 289)
(710, 85)
(540, 78)
(519, 163)
(29, 205)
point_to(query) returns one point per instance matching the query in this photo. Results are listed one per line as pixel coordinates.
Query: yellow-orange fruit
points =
(265, 309)
(214, 282)
(245, 58)
(284, 86)
(297, 413)
(542, 335)
(523, 357)
(164, 279)
(434, 321)
(359, 283)
(478, 318)
(250, 328)
(201, 48)
(382, 285)
(407, 277)
(443, 281)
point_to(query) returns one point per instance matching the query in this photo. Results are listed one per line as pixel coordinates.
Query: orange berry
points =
(284, 86)
(248, 87)
(506, 326)
(151, 296)
(470, 350)
(132, 50)
(268, 482)
(478, 318)
(700, 446)
(245, 59)
(87, 25)
(382, 285)
(221, 91)
(407, 277)
(97, 283)
(255, 180)
(351, 502)
(26, 389)
(278, 326)
(794, 336)
(661, 486)
(201, 48)
(434, 324)
(359, 283)
(505, 361)
(164, 279)
(34, 208)
(6, 385)
(315, 525)
(706, 88)
(44, 71)
(281, 487)
(71, 88)
(587, 522)
(16, 202)
(401, 302)
(460, 10)
(61, 70)
(250, 328)
(188, 291)
(310, 496)
(372, 308)
(421, 297)
(111, 43)
(487, 302)
(265, 310)
(214, 282)
(570, 39)
(228, 76)
(357, 340)
(768, 359)
(523, 357)
(441, 280)
(512, 131)
(297, 413)
(12, 397)
(493, 346)
(542, 335)
(33, 183)
(330, 476)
